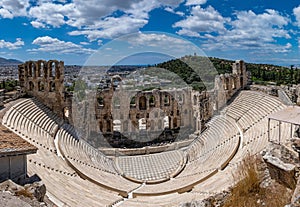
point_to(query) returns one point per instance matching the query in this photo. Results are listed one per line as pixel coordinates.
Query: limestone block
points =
(283, 173)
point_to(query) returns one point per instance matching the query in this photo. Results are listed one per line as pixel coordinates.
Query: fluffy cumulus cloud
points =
(50, 14)
(12, 45)
(54, 45)
(10, 9)
(112, 27)
(256, 31)
(247, 30)
(296, 12)
(37, 24)
(201, 20)
(109, 19)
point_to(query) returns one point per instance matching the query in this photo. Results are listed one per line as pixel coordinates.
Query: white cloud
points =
(112, 27)
(51, 14)
(94, 20)
(202, 20)
(6, 14)
(195, 2)
(10, 9)
(253, 31)
(157, 40)
(54, 45)
(85, 43)
(37, 24)
(169, 9)
(12, 45)
(296, 12)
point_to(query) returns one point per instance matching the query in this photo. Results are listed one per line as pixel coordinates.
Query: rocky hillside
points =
(4, 61)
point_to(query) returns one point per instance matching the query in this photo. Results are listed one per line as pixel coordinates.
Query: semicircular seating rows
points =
(82, 171)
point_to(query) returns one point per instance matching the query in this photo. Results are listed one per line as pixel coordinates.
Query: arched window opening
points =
(100, 101)
(180, 99)
(225, 84)
(142, 103)
(132, 102)
(52, 69)
(142, 124)
(31, 86)
(51, 86)
(167, 100)
(175, 123)
(166, 122)
(233, 84)
(117, 125)
(41, 86)
(31, 69)
(152, 101)
(66, 112)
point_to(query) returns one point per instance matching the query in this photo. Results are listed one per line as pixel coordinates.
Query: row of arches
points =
(142, 102)
(142, 124)
(41, 86)
(43, 68)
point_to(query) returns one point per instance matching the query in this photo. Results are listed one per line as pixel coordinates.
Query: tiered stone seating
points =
(33, 123)
(92, 164)
(254, 122)
(63, 184)
(219, 144)
(220, 129)
(79, 150)
(212, 158)
(71, 190)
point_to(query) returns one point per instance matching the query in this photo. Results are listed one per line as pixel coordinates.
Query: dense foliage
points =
(8, 85)
(199, 72)
(196, 71)
(262, 74)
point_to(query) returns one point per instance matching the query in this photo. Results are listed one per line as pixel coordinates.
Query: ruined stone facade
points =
(148, 114)
(114, 111)
(226, 85)
(45, 81)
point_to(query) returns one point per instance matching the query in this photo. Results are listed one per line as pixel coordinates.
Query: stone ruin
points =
(133, 113)
(226, 85)
(45, 81)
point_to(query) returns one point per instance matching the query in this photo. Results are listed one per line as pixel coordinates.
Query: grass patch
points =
(248, 191)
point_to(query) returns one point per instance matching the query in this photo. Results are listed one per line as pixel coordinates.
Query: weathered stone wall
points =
(129, 112)
(45, 81)
(282, 172)
(124, 111)
(226, 85)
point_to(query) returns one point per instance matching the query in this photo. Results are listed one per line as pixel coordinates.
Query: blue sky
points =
(262, 31)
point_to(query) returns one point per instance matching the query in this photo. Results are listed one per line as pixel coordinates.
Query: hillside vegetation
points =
(199, 72)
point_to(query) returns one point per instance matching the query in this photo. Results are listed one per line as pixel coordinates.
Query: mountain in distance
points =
(4, 61)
